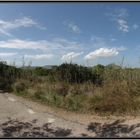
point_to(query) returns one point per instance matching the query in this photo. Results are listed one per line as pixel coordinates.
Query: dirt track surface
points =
(20, 117)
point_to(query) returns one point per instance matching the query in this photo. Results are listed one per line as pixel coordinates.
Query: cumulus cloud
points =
(70, 56)
(123, 25)
(73, 27)
(39, 56)
(102, 52)
(46, 49)
(7, 26)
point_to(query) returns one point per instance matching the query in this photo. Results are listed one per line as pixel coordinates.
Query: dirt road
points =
(20, 117)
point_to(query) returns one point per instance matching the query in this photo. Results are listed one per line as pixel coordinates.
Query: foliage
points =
(98, 71)
(8, 75)
(73, 73)
(100, 89)
(39, 71)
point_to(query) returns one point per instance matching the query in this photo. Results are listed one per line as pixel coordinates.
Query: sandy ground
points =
(20, 117)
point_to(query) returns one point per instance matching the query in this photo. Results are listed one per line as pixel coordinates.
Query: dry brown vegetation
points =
(100, 89)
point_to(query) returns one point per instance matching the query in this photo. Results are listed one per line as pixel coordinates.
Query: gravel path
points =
(20, 117)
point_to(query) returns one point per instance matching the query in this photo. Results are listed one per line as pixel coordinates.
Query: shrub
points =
(8, 75)
(98, 71)
(73, 73)
(5, 84)
(39, 71)
(21, 86)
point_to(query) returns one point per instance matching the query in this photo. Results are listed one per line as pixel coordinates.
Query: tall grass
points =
(100, 89)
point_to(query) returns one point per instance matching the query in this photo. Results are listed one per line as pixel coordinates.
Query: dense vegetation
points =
(99, 89)
(8, 75)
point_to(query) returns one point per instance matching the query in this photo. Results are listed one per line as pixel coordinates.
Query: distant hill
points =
(113, 66)
(49, 66)
(33, 67)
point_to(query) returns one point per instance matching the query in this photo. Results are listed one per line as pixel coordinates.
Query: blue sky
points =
(84, 33)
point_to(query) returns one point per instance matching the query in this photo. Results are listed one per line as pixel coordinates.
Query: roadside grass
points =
(111, 98)
(110, 90)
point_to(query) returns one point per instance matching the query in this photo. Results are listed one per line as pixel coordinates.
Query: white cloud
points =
(98, 42)
(120, 16)
(39, 56)
(57, 45)
(7, 26)
(123, 25)
(73, 27)
(70, 56)
(102, 52)
(135, 26)
(7, 54)
(23, 44)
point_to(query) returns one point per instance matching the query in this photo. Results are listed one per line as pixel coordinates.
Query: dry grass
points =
(119, 92)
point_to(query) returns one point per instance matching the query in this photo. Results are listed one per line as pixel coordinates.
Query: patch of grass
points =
(75, 102)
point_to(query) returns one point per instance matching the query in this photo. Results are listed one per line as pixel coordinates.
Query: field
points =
(102, 90)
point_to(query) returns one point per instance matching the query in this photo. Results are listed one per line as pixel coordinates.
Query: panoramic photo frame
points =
(69, 69)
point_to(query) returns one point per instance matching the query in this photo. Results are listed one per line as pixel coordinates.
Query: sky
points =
(84, 33)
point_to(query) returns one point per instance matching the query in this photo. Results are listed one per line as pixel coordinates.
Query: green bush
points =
(5, 84)
(73, 73)
(8, 75)
(98, 71)
(39, 71)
